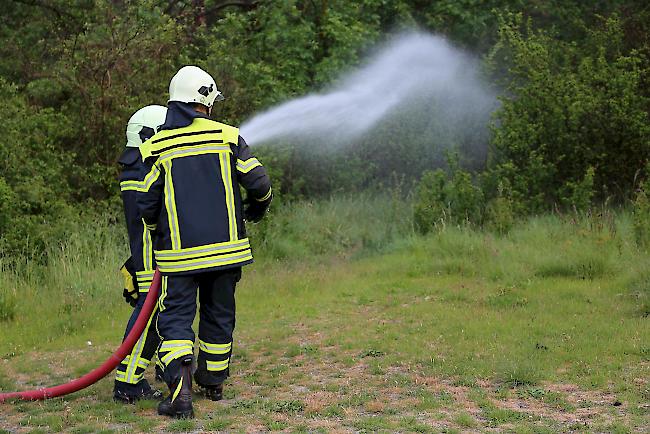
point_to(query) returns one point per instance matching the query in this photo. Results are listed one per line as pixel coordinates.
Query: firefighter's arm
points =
(150, 195)
(253, 177)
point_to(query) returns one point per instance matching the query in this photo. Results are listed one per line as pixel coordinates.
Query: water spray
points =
(417, 71)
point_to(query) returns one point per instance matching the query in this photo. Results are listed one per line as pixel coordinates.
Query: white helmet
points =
(143, 124)
(194, 85)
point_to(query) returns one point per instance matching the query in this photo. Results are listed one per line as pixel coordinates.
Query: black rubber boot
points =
(179, 403)
(132, 393)
(213, 393)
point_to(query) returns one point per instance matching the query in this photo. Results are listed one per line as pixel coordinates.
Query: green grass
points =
(368, 328)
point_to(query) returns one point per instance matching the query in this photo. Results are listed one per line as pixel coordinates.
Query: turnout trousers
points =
(130, 373)
(177, 309)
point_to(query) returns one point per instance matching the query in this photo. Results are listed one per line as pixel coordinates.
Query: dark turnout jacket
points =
(142, 259)
(190, 196)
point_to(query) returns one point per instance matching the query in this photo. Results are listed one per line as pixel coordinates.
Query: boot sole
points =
(184, 415)
(179, 414)
(189, 414)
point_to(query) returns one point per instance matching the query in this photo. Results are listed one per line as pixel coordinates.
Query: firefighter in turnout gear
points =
(191, 200)
(130, 384)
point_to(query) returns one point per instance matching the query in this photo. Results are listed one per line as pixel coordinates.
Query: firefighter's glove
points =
(130, 292)
(254, 212)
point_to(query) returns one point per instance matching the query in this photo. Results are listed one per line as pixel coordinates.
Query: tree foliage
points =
(573, 124)
(572, 115)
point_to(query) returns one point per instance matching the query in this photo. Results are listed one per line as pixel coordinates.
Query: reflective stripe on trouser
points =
(131, 370)
(216, 325)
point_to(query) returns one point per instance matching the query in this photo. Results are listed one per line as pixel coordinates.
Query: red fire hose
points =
(110, 364)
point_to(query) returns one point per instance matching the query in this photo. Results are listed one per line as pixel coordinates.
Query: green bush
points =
(430, 209)
(443, 199)
(578, 195)
(574, 122)
(500, 214)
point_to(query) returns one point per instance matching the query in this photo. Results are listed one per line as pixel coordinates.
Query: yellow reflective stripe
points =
(151, 177)
(200, 263)
(161, 298)
(142, 362)
(144, 286)
(226, 178)
(147, 252)
(161, 139)
(137, 352)
(170, 204)
(145, 274)
(230, 134)
(266, 196)
(190, 151)
(205, 250)
(200, 130)
(121, 376)
(131, 186)
(217, 366)
(178, 389)
(214, 348)
(248, 165)
(176, 343)
(176, 354)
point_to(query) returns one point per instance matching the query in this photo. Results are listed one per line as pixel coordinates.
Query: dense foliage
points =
(574, 115)
(572, 127)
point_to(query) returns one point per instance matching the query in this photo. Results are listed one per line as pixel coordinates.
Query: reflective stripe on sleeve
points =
(131, 186)
(266, 196)
(248, 165)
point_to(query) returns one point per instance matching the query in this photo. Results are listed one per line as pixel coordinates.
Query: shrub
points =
(447, 199)
(572, 117)
(430, 209)
(578, 195)
(499, 215)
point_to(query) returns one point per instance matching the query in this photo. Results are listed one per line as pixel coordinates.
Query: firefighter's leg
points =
(216, 326)
(177, 304)
(130, 384)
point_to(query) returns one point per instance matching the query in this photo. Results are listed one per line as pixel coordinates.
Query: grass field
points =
(344, 329)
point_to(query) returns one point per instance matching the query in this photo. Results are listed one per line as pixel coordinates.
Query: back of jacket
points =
(190, 195)
(139, 237)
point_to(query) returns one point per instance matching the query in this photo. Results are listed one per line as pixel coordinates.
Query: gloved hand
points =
(131, 296)
(254, 212)
(130, 292)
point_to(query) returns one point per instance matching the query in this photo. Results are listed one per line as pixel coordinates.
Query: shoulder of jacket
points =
(161, 139)
(230, 134)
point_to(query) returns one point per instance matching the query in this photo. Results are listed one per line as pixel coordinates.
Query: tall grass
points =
(74, 295)
(70, 293)
(343, 225)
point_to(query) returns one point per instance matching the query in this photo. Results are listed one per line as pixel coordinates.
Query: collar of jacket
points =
(179, 115)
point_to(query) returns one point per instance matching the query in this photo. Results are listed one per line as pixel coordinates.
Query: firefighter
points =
(130, 384)
(191, 200)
